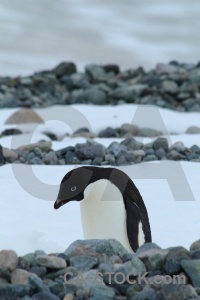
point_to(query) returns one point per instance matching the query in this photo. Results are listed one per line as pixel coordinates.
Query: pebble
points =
(8, 260)
(192, 269)
(51, 261)
(24, 115)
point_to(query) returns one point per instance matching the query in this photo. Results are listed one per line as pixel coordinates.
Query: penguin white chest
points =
(103, 213)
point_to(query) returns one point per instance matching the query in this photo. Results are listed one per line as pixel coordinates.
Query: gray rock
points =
(38, 284)
(150, 157)
(160, 153)
(96, 72)
(129, 128)
(35, 161)
(92, 95)
(193, 130)
(50, 158)
(149, 249)
(108, 132)
(192, 269)
(1, 156)
(39, 271)
(53, 275)
(116, 148)
(146, 294)
(30, 156)
(43, 146)
(64, 68)
(175, 155)
(51, 261)
(177, 292)
(170, 87)
(195, 149)
(195, 246)
(8, 260)
(194, 75)
(179, 146)
(99, 292)
(86, 151)
(165, 69)
(20, 276)
(154, 262)
(148, 132)
(108, 247)
(132, 144)
(126, 93)
(44, 296)
(121, 159)
(161, 143)
(38, 152)
(97, 161)
(83, 263)
(172, 266)
(14, 291)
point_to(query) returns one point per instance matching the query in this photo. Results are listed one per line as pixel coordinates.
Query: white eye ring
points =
(73, 188)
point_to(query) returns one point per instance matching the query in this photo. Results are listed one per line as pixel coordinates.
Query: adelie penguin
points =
(111, 205)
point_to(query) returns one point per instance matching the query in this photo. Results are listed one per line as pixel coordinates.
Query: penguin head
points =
(73, 185)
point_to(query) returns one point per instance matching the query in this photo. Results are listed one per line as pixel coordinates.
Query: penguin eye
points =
(73, 188)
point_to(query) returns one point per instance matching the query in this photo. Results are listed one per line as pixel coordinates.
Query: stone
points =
(111, 68)
(95, 72)
(161, 143)
(154, 262)
(83, 263)
(132, 144)
(8, 260)
(109, 247)
(43, 146)
(193, 130)
(24, 115)
(44, 296)
(177, 292)
(128, 129)
(87, 280)
(160, 153)
(38, 284)
(39, 271)
(20, 276)
(192, 269)
(179, 146)
(116, 148)
(9, 154)
(11, 131)
(148, 249)
(108, 132)
(50, 158)
(51, 261)
(86, 151)
(165, 69)
(15, 291)
(175, 155)
(1, 156)
(92, 95)
(35, 161)
(148, 132)
(98, 292)
(147, 293)
(170, 87)
(195, 246)
(68, 297)
(64, 68)
(126, 93)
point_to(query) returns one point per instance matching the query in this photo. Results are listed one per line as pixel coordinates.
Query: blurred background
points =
(38, 34)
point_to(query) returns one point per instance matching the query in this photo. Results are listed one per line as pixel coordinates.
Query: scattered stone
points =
(11, 131)
(192, 269)
(148, 132)
(108, 132)
(44, 296)
(24, 115)
(165, 69)
(8, 260)
(195, 246)
(92, 95)
(161, 143)
(51, 261)
(64, 68)
(99, 292)
(86, 151)
(43, 146)
(83, 263)
(9, 155)
(129, 129)
(14, 291)
(193, 130)
(20, 276)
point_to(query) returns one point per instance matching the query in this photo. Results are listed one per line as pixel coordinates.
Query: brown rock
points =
(53, 262)
(9, 154)
(195, 246)
(20, 276)
(8, 260)
(24, 115)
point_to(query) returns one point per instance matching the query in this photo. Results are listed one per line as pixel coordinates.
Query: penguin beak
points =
(58, 203)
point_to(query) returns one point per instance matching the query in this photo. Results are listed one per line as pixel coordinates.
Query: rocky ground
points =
(174, 86)
(102, 270)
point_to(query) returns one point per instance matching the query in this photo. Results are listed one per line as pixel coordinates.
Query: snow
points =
(171, 194)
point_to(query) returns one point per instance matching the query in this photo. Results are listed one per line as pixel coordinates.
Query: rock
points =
(161, 143)
(11, 131)
(173, 259)
(84, 131)
(98, 292)
(170, 87)
(1, 156)
(150, 157)
(109, 247)
(175, 155)
(193, 130)
(195, 246)
(51, 261)
(8, 260)
(95, 72)
(111, 68)
(83, 263)
(92, 95)
(192, 269)
(44, 296)
(177, 292)
(126, 93)
(35, 161)
(43, 146)
(50, 158)
(154, 262)
(146, 294)
(9, 155)
(116, 148)
(20, 276)
(68, 297)
(24, 115)
(132, 144)
(38, 284)
(160, 153)
(149, 249)
(165, 69)
(86, 280)
(179, 146)
(64, 68)
(14, 291)
(128, 129)
(148, 132)
(39, 271)
(108, 132)
(86, 151)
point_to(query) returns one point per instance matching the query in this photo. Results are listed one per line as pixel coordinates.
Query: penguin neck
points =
(103, 213)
